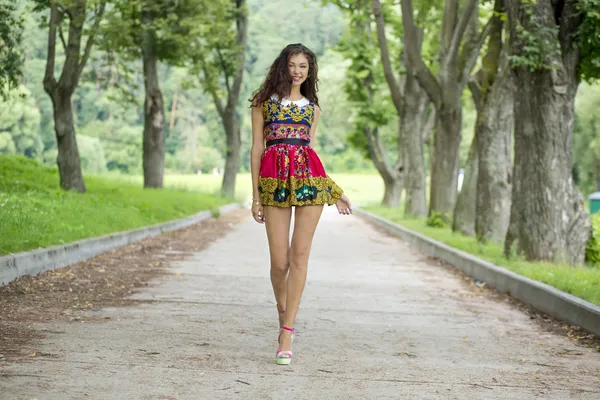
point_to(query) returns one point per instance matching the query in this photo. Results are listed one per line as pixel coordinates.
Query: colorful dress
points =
(291, 173)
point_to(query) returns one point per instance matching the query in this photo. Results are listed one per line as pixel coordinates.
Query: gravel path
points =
(377, 321)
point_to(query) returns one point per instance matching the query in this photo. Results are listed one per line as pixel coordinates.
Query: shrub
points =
(592, 249)
(437, 220)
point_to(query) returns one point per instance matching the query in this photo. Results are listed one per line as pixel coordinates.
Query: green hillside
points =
(35, 212)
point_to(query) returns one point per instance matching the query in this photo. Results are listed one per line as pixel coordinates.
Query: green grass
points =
(583, 282)
(35, 213)
(363, 189)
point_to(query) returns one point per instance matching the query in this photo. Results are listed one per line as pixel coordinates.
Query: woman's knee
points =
(299, 258)
(280, 266)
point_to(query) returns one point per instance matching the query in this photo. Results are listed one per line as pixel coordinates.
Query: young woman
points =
(286, 173)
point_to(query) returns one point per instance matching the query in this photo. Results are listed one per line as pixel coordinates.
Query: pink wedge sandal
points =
(284, 357)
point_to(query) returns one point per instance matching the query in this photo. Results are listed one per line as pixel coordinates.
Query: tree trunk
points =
(154, 113)
(232, 159)
(413, 121)
(494, 128)
(392, 192)
(230, 118)
(405, 101)
(457, 58)
(596, 173)
(61, 90)
(549, 220)
(551, 223)
(444, 171)
(68, 161)
(393, 179)
(464, 212)
(173, 112)
(492, 89)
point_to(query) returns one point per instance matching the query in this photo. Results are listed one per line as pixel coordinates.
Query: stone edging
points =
(33, 262)
(539, 295)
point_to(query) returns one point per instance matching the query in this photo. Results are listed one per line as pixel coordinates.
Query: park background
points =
(197, 53)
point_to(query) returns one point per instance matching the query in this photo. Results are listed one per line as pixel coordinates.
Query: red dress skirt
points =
(291, 173)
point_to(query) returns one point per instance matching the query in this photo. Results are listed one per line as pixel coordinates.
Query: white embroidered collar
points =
(286, 102)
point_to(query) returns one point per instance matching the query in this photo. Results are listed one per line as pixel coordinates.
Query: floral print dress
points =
(292, 174)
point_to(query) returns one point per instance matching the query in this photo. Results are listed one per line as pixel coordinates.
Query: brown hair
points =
(278, 81)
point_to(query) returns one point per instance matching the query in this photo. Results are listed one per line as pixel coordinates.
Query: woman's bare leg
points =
(277, 221)
(305, 224)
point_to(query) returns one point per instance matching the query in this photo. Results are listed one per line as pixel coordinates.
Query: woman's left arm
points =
(313, 128)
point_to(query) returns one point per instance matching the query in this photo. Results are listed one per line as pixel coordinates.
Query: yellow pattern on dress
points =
(273, 111)
(324, 196)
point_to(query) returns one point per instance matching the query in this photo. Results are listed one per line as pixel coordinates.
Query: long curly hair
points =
(279, 82)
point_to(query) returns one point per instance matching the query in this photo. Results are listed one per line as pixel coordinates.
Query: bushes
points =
(437, 220)
(592, 250)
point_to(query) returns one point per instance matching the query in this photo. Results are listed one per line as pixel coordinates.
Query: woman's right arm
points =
(256, 152)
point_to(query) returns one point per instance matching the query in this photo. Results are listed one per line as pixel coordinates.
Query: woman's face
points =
(298, 68)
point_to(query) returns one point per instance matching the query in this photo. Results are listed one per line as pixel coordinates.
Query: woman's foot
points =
(343, 205)
(284, 352)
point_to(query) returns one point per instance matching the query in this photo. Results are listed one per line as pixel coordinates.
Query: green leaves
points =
(365, 85)
(11, 29)
(588, 39)
(172, 22)
(214, 51)
(20, 125)
(586, 137)
(539, 42)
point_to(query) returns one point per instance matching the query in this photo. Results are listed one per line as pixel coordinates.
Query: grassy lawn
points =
(363, 189)
(582, 282)
(35, 213)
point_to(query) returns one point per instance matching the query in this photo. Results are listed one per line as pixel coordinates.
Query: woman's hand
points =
(343, 205)
(258, 212)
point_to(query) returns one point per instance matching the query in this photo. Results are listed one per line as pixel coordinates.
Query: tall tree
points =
(463, 219)
(457, 59)
(553, 45)
(365, 78)
(219, 58)
(411, 102)
(493, 91)
(74, 14)
(154, 106)
(155, 31)
(483, 205)
(11, 59)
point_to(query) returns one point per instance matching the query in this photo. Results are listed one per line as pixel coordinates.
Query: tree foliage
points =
(365, 84)
(173, 23)
(541, 42)
(588, 39)
(11, 54)
(20, 125)
(586, 139)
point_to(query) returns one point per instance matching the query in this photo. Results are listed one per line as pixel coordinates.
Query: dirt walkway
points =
(378, 321)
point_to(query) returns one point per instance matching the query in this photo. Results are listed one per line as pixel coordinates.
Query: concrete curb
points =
(539, 295)
(33, 262)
